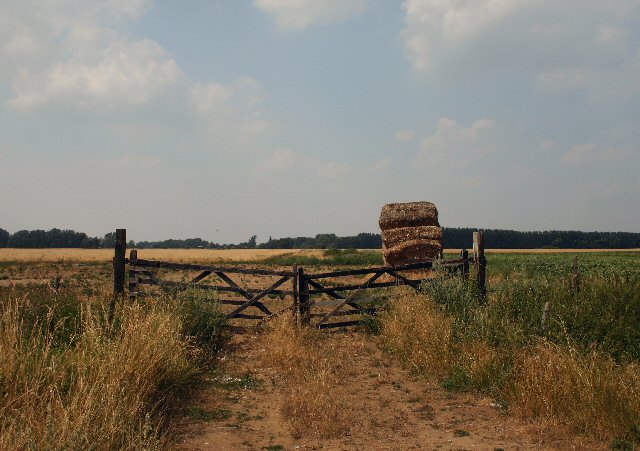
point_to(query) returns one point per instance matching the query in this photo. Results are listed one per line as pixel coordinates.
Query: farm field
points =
(177, 255)
(227, 255)
(434, 369)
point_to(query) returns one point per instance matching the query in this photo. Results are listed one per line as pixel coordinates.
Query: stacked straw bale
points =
(410, 232)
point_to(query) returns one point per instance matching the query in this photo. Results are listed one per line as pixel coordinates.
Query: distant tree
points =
(90, 243)
(4, 238)
(109, 240)
(19, 239)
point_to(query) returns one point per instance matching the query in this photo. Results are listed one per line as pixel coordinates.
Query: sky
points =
(227, 119)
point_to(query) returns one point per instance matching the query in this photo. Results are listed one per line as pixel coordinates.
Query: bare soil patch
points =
(389, 408)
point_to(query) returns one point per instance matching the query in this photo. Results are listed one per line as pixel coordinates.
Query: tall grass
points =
(581, 370)
(70, 380)
(315, 401)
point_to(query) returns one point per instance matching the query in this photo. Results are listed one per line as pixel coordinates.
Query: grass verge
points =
(70, 380)
(581, 370)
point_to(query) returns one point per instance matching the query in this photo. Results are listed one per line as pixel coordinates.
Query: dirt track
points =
(393, 410)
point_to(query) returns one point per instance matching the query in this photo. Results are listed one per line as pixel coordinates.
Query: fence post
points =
(303, 296)
(545, 315)
(465, 264)
(57, 282)
(480, 263)
(133, 275)
(119, 267)
(575, 274)
(294, 280)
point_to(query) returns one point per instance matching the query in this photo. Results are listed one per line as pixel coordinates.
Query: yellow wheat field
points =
(174, 255)
(212, 255)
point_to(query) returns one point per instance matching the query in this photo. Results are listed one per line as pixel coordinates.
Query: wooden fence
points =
(321, 300)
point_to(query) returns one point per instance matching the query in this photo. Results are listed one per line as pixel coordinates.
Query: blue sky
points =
(224, 119)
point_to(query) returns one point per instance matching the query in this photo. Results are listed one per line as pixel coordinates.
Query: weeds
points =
(202, 320)
(71, 380)
(581, 370)
(108, 388)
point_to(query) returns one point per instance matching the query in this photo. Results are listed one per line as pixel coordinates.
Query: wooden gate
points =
(345, 298)
(315, 299)
(250, 302)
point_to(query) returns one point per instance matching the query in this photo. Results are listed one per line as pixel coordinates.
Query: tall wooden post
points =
(575, 274)
(133, 275)
(119, 267)
(296, 300)
(545, 315)
(465, 264)
(480, 262)
(303, 296)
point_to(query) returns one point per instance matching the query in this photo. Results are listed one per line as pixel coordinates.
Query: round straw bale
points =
(412, 251)
(409, 214)
(393, 237)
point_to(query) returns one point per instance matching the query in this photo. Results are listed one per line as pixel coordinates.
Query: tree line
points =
(454, 238)
(50, 238)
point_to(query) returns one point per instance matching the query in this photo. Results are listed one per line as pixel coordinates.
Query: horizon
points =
(224, 120)
(259, 241)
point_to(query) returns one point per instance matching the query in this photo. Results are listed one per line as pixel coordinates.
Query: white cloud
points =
(592, 152)
(579, 152)
(560, 45)
(547, 145)
(72, 56)
(123, 74)
(382, 164)
(210, 96)
(561, 80)
(403, 136)
(288, 161)
(608, 34)
(431, 23)
(454, 145)
(300, 14)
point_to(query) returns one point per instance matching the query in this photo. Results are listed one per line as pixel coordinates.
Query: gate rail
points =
(310, 285)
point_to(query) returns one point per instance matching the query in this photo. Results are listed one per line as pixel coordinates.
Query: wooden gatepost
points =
(480, 263)
(119, 269)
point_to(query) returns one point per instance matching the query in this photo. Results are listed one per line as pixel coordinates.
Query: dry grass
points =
(310, 364)
(175, 255)
(591, 393)
(426, 344)
(105, 390)
(545, 251)
(212, 255)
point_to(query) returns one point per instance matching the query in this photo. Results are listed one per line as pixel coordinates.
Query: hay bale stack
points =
(410, 232)
(412, 251)
(409, 214)
(393, 237)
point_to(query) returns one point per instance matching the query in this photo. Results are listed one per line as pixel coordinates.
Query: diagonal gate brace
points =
(257, 297)
(335, 295)
(348, 299)
(415, 284)
(243, 293)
